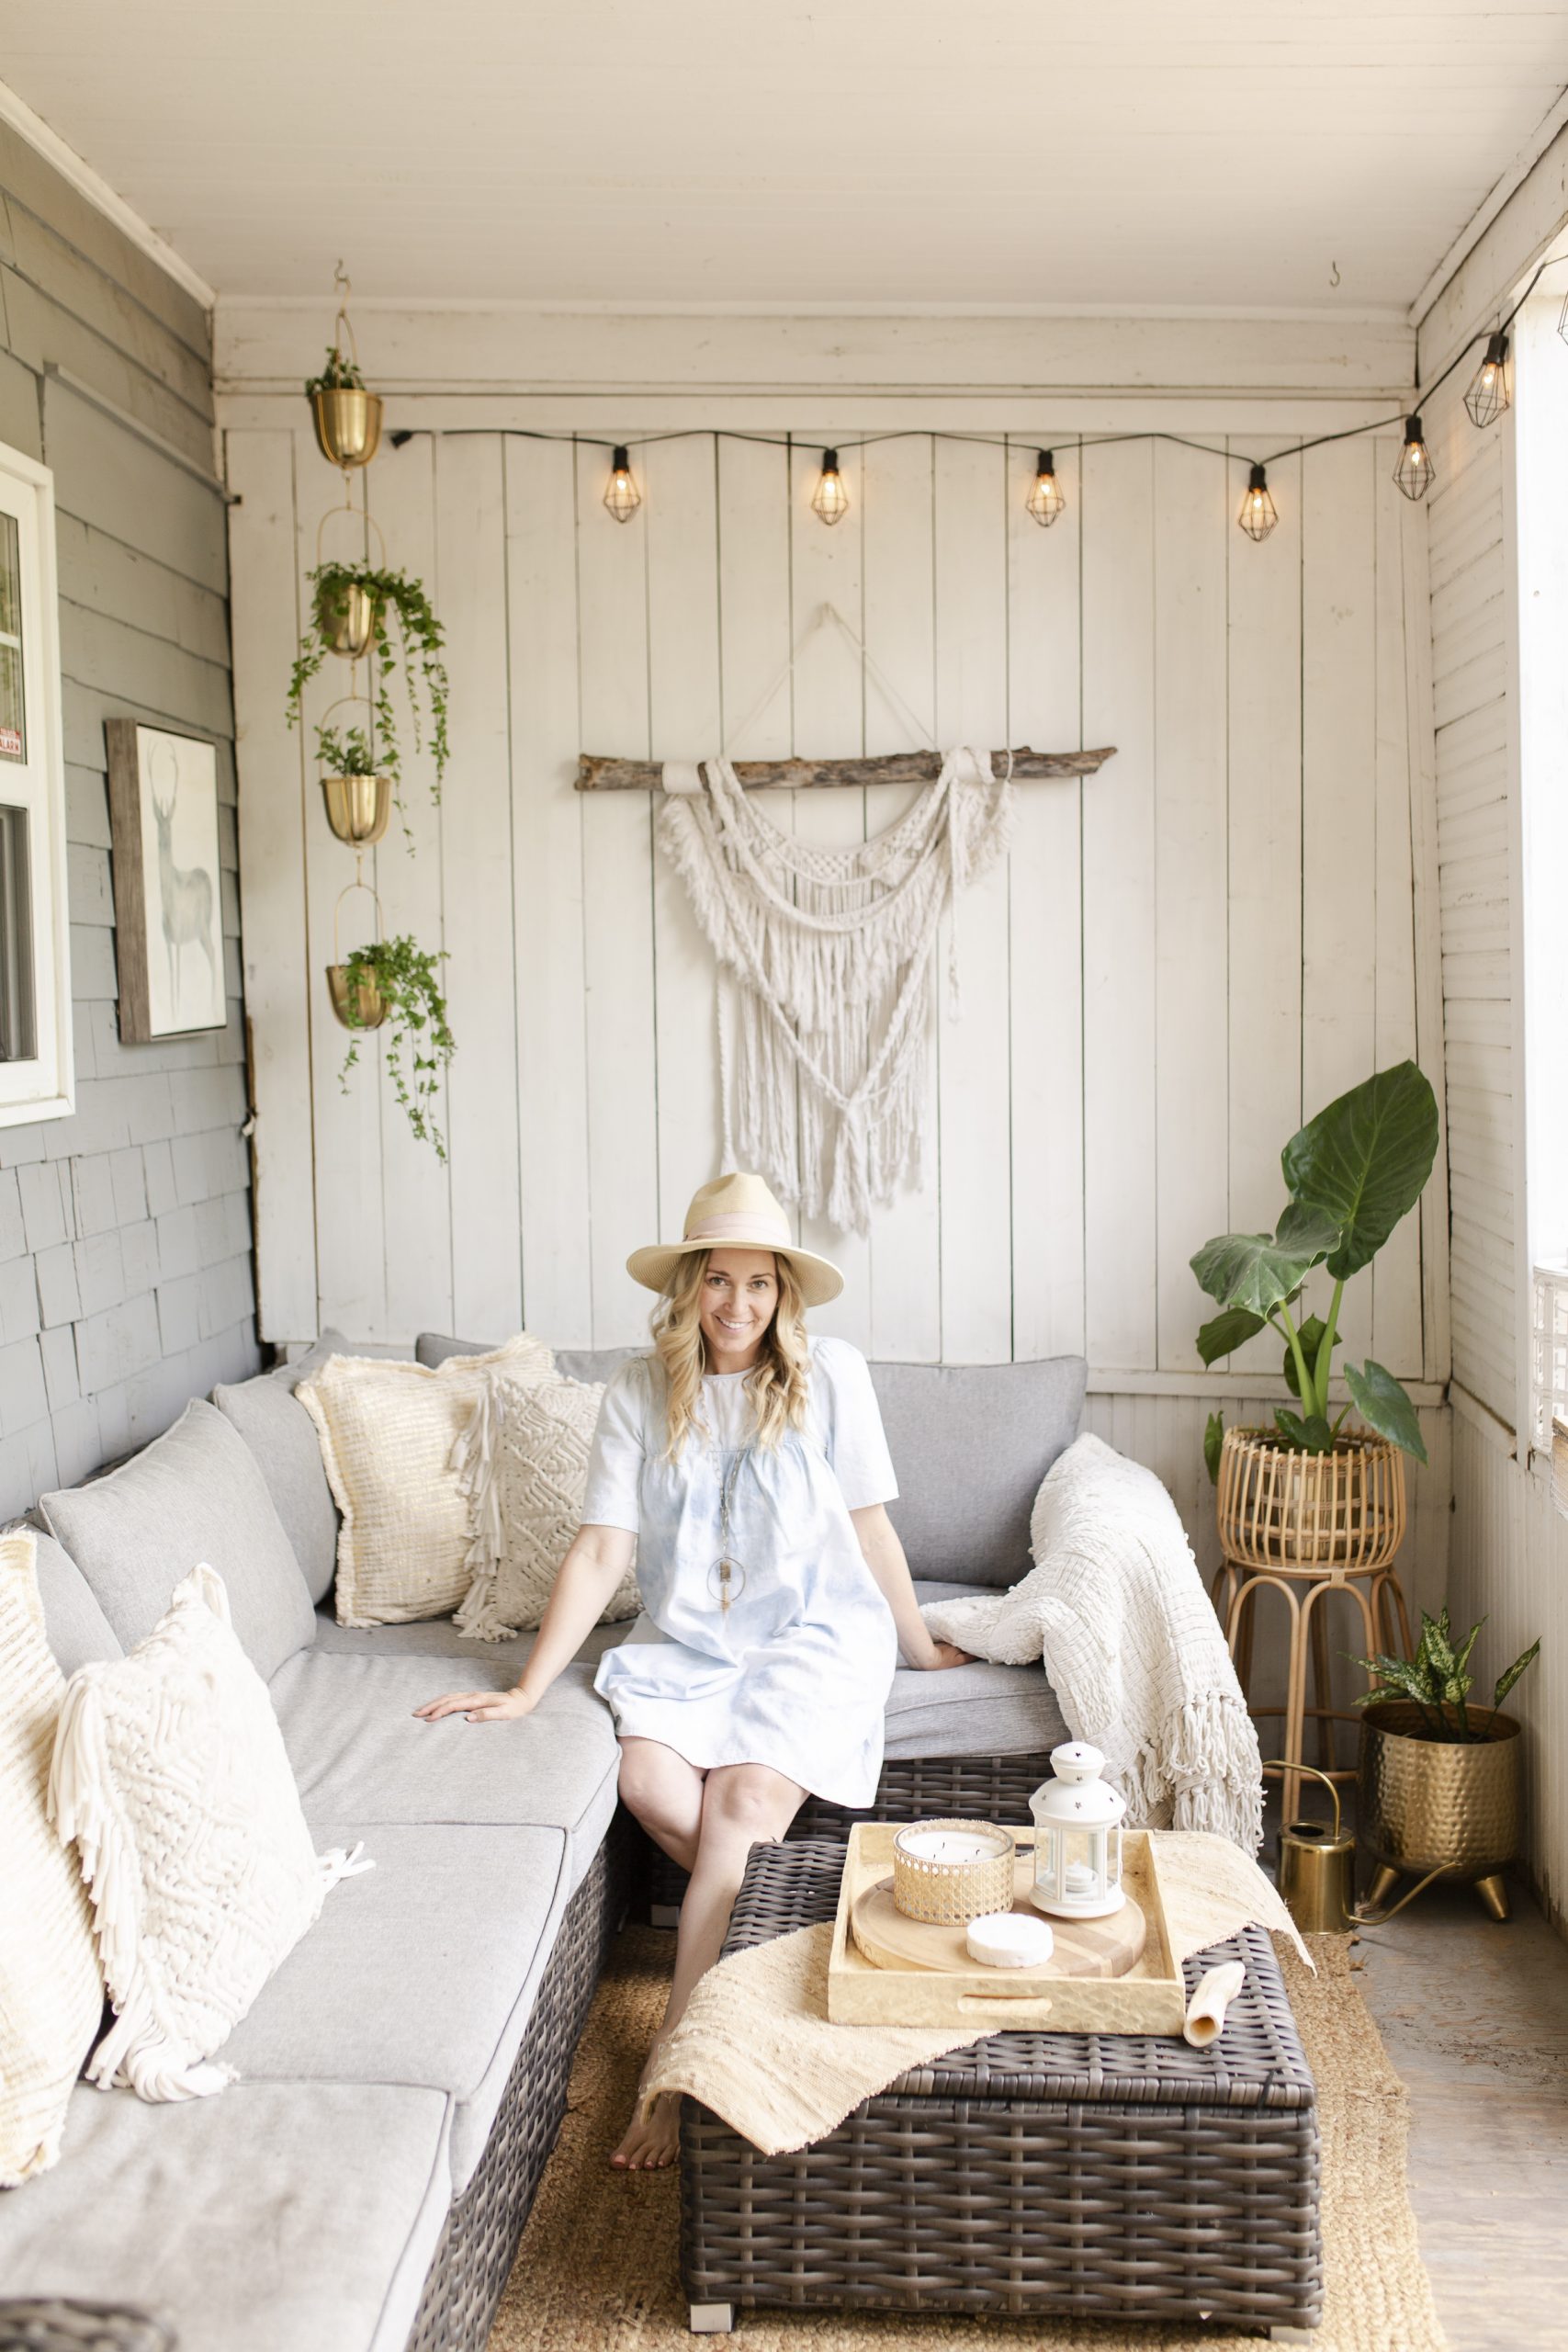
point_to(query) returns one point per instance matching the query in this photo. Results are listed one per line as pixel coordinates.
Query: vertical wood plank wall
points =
(1509, 1543)
(1180, 958)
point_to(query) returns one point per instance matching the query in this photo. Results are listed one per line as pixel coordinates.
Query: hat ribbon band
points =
(742, 1225)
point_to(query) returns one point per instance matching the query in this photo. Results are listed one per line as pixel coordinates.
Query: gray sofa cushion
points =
(194, 1494)
(360, 1756)
(978, 1710)
(79, 1633)
(278, 2217)
(425, 1971)
(437, 1637)
(970, 1445)
(586, 1364)
(282, 1436)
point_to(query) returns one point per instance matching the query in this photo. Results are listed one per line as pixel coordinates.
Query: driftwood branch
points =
(595, 774)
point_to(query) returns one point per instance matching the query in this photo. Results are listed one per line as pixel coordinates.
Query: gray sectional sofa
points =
(361, 2186)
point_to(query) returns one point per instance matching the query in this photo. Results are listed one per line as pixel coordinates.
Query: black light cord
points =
(1423, 394)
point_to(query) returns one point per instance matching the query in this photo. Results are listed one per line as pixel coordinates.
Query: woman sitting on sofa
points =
(747, 1463)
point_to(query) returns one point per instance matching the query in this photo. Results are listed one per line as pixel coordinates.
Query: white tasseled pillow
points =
(170, 1772)
(51, 1995)
(388, 1432)
(524, 1465)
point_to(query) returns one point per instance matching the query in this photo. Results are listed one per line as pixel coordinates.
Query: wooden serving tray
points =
(937, 1984)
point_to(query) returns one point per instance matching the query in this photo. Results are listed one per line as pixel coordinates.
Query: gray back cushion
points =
(970, 1445)
(79, 1633)
(282, 1436)
(194, 1494)
(587, 1365)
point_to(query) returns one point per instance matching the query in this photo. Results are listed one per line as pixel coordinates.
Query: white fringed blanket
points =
(1115, 1608)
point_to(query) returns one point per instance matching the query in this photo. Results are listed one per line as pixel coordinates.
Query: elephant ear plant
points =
(1352, 1173)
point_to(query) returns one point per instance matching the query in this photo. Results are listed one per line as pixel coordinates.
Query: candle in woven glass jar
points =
(948, 1871)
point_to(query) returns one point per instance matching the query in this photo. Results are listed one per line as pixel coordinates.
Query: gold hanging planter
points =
(362, 1006)
(348, 426)
(359, 807)
(345, 615)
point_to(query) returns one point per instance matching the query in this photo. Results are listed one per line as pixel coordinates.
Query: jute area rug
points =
(597, 2265)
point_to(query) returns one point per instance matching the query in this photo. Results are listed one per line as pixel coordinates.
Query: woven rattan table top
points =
(1257, 2063)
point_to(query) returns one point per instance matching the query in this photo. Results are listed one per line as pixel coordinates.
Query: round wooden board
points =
(1082, 1948)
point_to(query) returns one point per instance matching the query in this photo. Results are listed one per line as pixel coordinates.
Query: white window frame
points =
(43, 1087)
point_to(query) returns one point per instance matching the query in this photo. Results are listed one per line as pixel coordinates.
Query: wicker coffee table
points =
(1110, 2177)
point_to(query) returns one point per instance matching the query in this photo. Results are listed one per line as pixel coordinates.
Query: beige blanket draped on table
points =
(756, 2046)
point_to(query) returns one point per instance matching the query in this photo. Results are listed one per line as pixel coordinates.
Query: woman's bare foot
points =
(650, 2146)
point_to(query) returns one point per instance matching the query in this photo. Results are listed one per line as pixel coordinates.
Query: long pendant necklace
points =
(727, 1577)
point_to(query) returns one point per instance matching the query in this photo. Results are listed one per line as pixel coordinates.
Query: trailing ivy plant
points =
(338, 375)
(345, 754)
(419, 1044)
(1352, 1173)
(1435, 1679)
(394, 599)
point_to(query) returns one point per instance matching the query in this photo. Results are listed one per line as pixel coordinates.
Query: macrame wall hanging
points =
(821, 1082)
(828, 952)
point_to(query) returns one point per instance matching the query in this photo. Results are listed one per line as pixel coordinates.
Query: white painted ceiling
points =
(1232, 154)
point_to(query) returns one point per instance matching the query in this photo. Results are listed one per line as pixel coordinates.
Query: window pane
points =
(18, 1041)
(13, 727)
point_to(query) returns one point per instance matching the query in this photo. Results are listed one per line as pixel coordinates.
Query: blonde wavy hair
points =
(777, 1382)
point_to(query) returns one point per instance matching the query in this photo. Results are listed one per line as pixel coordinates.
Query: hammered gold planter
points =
(369, 1004)
(1333, 1512)
(359, 807)
(1426, 1805)
(348, 426)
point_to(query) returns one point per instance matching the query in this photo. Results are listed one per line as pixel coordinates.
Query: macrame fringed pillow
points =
(51, 1995)
(522, 1462)
(170, 1773)
(387, 1431)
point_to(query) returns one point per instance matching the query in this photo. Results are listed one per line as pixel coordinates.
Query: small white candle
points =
(1009, 1939)
(1078, 1879)
(945, 1845)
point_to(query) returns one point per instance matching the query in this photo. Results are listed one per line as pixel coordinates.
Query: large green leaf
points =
(1362, 1162)
(1227, 1331)
(1256, 1270)
(1385, 1407)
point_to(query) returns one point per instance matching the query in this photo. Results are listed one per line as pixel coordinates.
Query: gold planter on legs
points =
(1438, 1806)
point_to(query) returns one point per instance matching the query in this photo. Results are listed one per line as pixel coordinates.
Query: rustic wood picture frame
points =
(168, 918)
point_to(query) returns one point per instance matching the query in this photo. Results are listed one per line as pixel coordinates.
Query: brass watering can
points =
(1317, 1869)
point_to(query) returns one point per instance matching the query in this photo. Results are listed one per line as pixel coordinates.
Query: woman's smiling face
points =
(740, 1293)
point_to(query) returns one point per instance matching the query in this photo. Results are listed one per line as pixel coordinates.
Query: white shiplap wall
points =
(1221, 930)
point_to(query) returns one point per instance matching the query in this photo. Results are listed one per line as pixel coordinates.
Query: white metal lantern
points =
(1077, 1837)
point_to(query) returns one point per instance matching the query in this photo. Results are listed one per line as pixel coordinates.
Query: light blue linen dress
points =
(796, 1673)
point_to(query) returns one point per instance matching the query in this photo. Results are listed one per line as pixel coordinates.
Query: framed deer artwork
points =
(167, 898)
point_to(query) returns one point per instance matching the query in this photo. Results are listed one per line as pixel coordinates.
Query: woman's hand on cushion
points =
(948, 1654)
(479, 1706)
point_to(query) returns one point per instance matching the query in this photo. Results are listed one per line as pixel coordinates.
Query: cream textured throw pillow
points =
(170, 1772)
(51, 1996)
(523, 1464)
(388, 1432)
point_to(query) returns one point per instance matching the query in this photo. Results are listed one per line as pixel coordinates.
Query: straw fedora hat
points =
(737, 1213)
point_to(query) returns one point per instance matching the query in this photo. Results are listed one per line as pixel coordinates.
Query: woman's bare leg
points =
(743, 1805)
(665, 1794)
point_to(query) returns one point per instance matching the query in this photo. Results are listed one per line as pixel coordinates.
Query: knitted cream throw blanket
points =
(831, 949)
(1115, 1608)
(756, 2046)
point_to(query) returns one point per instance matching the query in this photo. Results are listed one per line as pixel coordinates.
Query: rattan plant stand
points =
(1309, 1526)
(1105, 2177)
